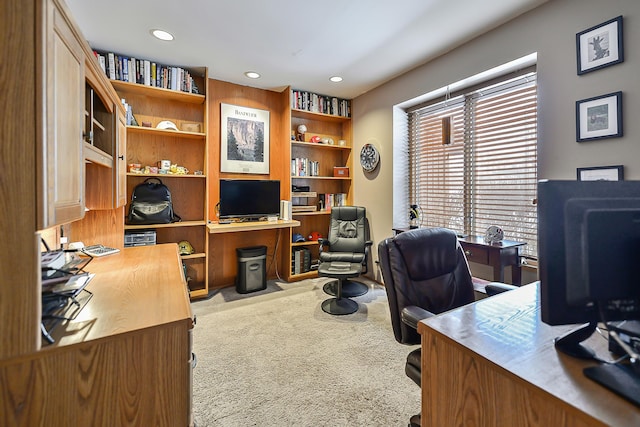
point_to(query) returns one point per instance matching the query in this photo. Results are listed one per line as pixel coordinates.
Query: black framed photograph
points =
(600, 46)
(599, 117)
(601, 173)
(244, 140)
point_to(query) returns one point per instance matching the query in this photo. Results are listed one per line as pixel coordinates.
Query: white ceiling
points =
(297, 43)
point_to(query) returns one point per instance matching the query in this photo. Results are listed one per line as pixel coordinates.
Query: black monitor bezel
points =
(552, 195)
(249, 184)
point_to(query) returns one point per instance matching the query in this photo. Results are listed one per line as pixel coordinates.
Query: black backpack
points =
(151, 204)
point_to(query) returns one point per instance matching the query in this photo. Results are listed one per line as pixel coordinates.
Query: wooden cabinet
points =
(148, 145)
(315, 215)
(61, 188)
(104, 141)
(125, 359)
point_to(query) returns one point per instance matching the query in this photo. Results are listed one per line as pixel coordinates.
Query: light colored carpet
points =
(274, 358)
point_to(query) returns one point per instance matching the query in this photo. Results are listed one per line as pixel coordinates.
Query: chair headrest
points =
(428, 252)
(348, 213)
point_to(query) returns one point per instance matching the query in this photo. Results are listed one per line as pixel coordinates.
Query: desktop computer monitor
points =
(589, 251)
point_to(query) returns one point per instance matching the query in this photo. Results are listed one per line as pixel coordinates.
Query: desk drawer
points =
(476, 254)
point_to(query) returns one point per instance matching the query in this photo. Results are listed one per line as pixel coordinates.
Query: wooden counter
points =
(126, 358)
(493, 363)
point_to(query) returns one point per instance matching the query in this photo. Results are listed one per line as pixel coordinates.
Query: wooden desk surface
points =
(479, 240)
(493, 363)
(215, 227)
(137, 288)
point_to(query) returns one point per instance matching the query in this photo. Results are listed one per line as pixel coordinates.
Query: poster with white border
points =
(244, 140)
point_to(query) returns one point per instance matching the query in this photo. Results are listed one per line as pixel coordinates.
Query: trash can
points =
(252, 269)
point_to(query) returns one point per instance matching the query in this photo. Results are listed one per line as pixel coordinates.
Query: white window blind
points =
(486, 172)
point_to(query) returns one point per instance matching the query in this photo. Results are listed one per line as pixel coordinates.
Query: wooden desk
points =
(493, 363)
(126, 358)
(215, 227)
(226, 238)
(497, 255)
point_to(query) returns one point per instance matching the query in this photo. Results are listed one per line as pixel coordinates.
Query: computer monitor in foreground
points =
(589, 251)
(589, 260)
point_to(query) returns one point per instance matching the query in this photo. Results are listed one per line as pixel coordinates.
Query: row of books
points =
(304, 167)
(328, 200)
(145, 72)
(301, 260)
(309, 101)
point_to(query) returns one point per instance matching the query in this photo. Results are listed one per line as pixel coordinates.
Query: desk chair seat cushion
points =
(434, 278)
(347, 257)
(339, 269)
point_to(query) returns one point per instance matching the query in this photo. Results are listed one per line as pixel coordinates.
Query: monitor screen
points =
(589, 251)
(249, 199)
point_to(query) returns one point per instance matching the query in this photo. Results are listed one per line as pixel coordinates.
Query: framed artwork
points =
(599, 117)
(601, 173)
(244, 140)
(600, 46)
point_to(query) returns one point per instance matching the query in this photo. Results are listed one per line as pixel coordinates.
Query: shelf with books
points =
(333, 151)
(144, 72)
(184, 147)
(320, 104)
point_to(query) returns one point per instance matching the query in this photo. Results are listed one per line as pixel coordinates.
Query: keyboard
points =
(99, 250)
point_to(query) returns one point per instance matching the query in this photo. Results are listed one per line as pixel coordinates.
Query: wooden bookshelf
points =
(330, 128)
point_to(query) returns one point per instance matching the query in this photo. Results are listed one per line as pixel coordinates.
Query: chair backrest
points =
(349, 229)
(425, 267)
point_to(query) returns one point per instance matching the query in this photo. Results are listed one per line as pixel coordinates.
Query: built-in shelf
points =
(166, 132)
(165, 175)
(170, 225)
(339, 178)
(320, 145)
(166, 94)
(311, 213)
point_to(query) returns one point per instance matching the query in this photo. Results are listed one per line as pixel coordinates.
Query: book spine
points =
(147, 72)
(112, 65)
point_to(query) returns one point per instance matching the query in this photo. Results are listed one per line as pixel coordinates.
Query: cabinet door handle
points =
(121, 157)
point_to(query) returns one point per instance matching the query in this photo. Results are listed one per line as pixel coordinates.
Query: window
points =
(472, 161)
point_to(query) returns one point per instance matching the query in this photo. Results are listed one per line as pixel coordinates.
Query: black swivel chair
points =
(344, 255)
(425, 273)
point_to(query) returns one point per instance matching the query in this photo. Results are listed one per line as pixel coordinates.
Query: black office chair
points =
(425, 273)
(344, 255)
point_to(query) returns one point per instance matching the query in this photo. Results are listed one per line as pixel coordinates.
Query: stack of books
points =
(301, 260)
(329, 200)
(304, 167)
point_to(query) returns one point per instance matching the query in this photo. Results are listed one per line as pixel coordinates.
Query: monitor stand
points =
(621, 379)
(571, 342)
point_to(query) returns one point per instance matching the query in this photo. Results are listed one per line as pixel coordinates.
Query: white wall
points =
(550, 31)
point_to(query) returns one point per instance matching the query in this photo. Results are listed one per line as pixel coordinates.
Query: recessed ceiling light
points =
(252, 75)
(162, 35)
(336, 79)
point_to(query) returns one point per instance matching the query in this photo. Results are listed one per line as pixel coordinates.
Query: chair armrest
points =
(494, 288)
(412, 315)
(322, 242)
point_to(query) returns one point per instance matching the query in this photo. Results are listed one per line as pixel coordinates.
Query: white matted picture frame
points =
(244, 139)
(600, 46)
(599, 117)
(601, 173)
